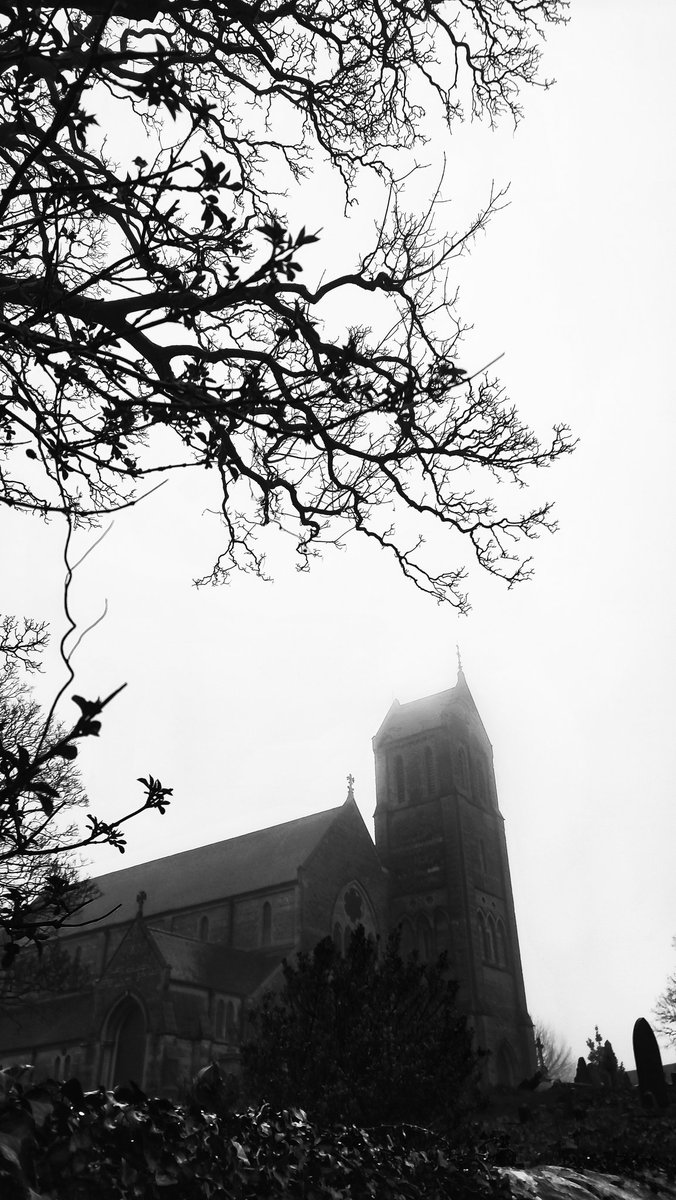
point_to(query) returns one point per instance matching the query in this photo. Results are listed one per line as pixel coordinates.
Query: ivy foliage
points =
(57, 1143)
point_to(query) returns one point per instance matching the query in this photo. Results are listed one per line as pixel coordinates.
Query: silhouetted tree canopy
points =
(361, 1037)
(152, 278)
(603, 1059)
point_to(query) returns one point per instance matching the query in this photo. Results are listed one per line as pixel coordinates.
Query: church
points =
(158, 980)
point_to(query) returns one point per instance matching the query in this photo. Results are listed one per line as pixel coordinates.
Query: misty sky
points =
(255, 701)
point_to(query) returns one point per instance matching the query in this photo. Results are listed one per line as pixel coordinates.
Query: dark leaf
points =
(66, 750)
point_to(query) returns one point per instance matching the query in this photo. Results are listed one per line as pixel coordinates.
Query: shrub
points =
(363, 1036)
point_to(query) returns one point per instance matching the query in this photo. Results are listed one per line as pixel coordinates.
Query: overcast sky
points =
(255, 701)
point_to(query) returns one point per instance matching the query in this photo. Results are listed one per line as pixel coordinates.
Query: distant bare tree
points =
(22, 643)
(164, 292)
(555, 1057)
(665, 1010)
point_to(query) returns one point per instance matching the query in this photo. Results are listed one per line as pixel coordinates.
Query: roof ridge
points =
(197, 942)
(430, 697)
(220, 842)
(182, 937)
(261, 859)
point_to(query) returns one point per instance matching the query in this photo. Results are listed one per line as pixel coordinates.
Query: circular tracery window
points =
(353, 908)
(353, 905)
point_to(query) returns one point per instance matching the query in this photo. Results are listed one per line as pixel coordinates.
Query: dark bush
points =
(362, 1037)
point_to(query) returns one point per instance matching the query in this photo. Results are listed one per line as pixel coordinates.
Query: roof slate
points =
(61, 1019)
(418, 716)
(252, 861)
(221, 968)
(190, 1014)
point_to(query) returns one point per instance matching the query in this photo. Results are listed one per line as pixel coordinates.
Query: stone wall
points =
(345, 853)
(249, 924)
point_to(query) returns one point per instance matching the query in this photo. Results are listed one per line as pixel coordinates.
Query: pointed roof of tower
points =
(464, 696)
(416, 716)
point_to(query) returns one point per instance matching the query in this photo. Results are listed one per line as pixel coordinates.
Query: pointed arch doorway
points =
(506, 1067)
(126, 1043)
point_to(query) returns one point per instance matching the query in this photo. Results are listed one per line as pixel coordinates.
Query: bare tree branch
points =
(168, 291)
(665, 1010)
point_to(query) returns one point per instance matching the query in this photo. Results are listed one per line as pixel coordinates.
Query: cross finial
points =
(350, 787)
(140, 900)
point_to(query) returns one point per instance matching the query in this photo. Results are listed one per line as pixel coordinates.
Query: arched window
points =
(66, 1067)
(445, 776)
(204, 929)
(266, 926)
(430, 781)
(505, 1069)
(352, 910)
(441, 931)
(490, 933)
(230, 1022)
(57, 1067)
(501, 943)
(479, 775)
(129, 1043)
(463, 769)
(220, 1020)
(408, 942)
(424, 938)
(399, 780)
(485, 939)
(482, 857)
(414, 778)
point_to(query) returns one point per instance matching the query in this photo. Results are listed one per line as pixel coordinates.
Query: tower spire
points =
(461, 673)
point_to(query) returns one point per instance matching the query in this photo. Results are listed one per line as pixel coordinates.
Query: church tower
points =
(440, 834)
